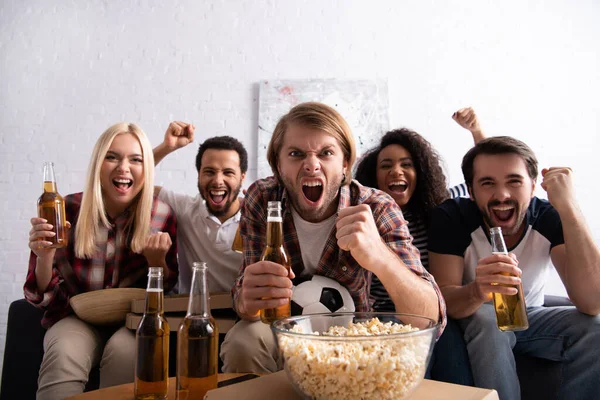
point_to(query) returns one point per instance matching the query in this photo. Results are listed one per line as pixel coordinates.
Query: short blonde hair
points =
(93, 211)
(316, 116)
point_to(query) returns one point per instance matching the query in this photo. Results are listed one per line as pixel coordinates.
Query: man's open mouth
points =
(503, 213)
(217, 196)
(312, 190)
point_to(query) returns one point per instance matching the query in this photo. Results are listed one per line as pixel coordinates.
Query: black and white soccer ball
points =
(320, 295)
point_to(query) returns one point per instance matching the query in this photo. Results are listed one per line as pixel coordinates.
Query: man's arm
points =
(357, 232)
(260, 284)
(461, 301)
(179, 134)
(399, 280)
(467, 118)
(490, 273)
(578, 259)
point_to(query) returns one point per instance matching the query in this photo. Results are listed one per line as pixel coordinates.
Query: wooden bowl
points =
(107, 306)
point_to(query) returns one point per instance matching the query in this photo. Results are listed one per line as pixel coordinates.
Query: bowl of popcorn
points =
(355, 355)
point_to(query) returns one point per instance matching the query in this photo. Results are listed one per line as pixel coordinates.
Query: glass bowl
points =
(379, 356)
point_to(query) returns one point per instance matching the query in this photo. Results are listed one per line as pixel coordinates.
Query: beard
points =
(223, 209)
(311, 214)
(487, 212)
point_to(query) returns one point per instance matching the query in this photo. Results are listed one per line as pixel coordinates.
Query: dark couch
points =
(24, 350)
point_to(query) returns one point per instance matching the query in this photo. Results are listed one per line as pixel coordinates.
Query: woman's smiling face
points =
(122, 173)
(396, 174)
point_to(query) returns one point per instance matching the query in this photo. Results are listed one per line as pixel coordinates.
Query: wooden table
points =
(277, 386)
(125, 392)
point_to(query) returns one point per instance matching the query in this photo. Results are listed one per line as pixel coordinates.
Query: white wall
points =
(69, 69)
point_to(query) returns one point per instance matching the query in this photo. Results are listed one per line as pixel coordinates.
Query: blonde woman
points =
(118, 230)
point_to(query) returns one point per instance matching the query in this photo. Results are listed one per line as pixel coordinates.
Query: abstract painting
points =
(363, 103)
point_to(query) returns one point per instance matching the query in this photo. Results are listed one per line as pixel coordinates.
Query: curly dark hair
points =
(223, 143)
(431, 189)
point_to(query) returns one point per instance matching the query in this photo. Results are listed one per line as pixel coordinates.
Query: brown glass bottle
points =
(197, 342)
(51, 207)
(237, 245)
(275, 252)
(511, 312)
(152, 344)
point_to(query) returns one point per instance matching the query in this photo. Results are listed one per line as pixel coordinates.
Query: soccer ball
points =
(320, 295)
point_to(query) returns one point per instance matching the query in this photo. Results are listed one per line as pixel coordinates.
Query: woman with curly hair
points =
(405, 166)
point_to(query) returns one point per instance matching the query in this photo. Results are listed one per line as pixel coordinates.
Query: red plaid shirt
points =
(113, 265)
(335, 264)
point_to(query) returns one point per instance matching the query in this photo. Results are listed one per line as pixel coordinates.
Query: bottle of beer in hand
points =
(511, 313)
(152, 344)
(197, 342)
(51, 207)
(275, 252)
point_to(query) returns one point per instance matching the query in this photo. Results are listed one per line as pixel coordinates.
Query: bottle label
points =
(274, 219)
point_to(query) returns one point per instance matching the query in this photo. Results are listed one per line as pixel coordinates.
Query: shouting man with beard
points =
(501, 173)
(333, 227)
(207, 223)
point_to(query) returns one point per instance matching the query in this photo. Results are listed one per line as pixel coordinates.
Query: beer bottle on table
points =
(152, 344)
(511, 312)
(275, 252)
(51, 207)
(197, 342)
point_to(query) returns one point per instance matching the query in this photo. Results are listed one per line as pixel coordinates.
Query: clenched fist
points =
(558, 183)
(467, 118)
(179, 134)
(157, 246)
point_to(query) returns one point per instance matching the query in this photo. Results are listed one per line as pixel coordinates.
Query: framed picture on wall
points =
(363, 103)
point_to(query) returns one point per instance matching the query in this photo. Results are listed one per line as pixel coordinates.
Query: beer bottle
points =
(152, 344)
(197, 342)
(237, 245)
(51, 207)
(275, 252)
(511, 312)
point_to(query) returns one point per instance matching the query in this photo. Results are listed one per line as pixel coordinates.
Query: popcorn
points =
(389, 367)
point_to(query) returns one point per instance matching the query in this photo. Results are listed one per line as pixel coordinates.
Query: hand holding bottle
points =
(40, 230)
(511, 311)
(266, 285)
(495, 271)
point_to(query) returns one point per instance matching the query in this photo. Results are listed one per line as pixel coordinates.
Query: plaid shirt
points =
(335, 264)
(113, 265)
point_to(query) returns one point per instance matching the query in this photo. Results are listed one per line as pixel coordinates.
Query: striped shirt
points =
(113, 265)
(335, 264)
(418, 230)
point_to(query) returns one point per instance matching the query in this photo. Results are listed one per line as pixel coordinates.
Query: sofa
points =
(24, 350)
